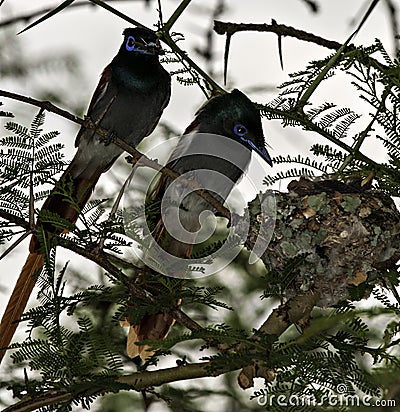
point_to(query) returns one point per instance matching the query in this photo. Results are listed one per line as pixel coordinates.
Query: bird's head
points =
(140, 41)
(234, 115)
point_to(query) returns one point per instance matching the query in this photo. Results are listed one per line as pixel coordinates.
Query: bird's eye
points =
(130, 43)
(240, 130)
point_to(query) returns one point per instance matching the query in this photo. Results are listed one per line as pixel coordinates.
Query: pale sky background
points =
(94, 35)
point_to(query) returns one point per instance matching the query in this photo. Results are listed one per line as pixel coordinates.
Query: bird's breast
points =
(138, 81)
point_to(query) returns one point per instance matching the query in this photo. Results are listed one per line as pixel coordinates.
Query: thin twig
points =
(362, 136)
(117, 13)
(176, 14)
(394, 24)
(332, 61)
(160, 15)
(106, 261)
(45, 104)
(183, 55)
(309, 125)
(145, 161)
(15, 244)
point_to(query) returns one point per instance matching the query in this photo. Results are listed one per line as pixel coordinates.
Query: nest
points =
(331, 238)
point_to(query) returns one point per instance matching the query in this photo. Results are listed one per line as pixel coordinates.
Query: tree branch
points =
(43, 104)
(176, 14)
(137, 381)
(105, 260)
(136, 155)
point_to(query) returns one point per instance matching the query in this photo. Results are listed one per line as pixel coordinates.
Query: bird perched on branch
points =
(214, 152)
(132, 93)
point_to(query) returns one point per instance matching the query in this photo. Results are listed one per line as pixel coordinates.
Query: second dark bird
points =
(214, 163)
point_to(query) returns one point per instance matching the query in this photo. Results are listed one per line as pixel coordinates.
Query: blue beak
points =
(262, 151)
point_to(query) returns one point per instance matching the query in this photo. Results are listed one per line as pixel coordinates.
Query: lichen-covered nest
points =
(329, 237)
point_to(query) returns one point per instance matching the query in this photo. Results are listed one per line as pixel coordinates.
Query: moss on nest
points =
(329, 237)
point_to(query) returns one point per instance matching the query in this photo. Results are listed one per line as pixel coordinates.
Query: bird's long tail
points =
(65, 206)
(19, 298)
(155, 326)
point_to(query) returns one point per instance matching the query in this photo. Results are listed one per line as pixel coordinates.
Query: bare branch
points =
(280, 29)
(46, 105)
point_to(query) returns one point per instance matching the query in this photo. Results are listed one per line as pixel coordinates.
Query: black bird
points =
(132, 93)
(214, 163)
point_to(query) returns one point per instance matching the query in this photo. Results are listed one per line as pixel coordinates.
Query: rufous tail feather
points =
(19, 298)
(55, 203)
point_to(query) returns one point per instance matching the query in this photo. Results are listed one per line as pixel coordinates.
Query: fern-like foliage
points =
(28, 160)
(81, 358)
(5, 114)
(378, 86)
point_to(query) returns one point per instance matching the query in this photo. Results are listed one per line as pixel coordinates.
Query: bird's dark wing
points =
(165, 95)
(97, 96)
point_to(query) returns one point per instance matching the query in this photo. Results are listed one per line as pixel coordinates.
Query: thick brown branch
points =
(32, 404)
(142, 380)
(295, 310)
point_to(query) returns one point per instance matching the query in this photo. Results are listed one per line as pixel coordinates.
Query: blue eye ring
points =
(240, 130)
(130, 39)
